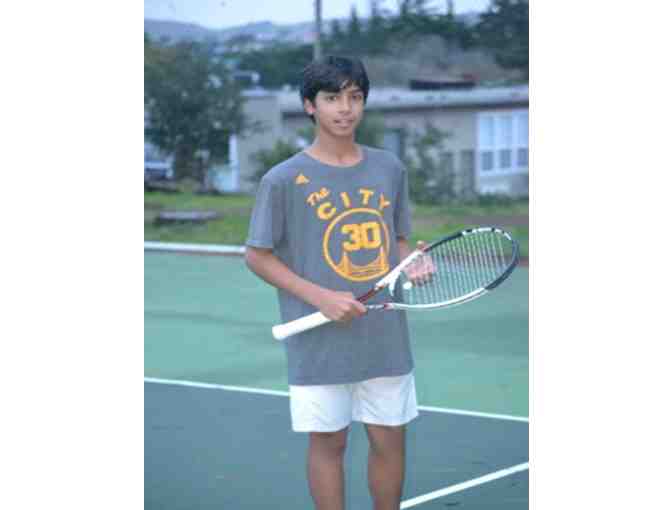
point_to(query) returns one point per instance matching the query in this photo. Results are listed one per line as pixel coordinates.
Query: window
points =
(487, 161)
(522, 141)
(522, 157)
(486, 140)
(505, 138)
(505, 159)
(503, 141)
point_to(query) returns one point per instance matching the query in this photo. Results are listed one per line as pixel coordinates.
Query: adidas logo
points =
(301, 179)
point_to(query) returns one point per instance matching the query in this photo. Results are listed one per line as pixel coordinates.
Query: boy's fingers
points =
(357, 308)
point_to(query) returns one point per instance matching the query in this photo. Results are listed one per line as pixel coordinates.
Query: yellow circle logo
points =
(360, 240)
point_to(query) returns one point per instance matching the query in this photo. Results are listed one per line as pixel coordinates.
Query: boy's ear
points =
(308, 106)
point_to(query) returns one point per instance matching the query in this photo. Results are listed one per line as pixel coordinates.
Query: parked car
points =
(158, 170)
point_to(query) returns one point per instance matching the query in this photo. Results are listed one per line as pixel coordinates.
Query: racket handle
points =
(282, 331)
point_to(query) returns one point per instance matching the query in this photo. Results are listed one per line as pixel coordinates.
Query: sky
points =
(228, 13)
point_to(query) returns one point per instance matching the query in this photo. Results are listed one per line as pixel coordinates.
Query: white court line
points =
(203, 248)
(243, 389)
(464, 485)
(474, 413)
(192, 384)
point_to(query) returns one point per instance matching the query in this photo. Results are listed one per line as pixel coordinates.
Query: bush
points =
(369, 132)
(430, 181)
(494, 200)
(266, 159)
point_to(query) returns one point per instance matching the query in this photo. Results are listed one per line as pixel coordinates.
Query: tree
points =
(414, 19)
(354, 32)
(317, 46)
(278, 65)
(504, 28)
(336, 33)
(430, 182)
(192, 105)
(376, 33)
(455, 33)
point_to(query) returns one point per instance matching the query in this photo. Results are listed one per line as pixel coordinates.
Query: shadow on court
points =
(208, 448)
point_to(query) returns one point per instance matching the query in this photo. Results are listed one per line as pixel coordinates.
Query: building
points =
(487, 128)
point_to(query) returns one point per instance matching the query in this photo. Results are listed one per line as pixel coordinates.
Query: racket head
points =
(463, 266)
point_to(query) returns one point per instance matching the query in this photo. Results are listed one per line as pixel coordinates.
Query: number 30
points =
(362, 236)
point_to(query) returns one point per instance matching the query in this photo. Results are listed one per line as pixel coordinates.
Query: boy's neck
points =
(335, 152)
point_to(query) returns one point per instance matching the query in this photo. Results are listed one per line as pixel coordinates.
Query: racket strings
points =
(459, 267)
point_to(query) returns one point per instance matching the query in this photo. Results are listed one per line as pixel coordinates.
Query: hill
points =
(263, 32)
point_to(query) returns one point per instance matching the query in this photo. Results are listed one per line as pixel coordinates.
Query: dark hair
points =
(332, 74)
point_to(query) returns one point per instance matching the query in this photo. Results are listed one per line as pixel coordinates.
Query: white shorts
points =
(382, 401)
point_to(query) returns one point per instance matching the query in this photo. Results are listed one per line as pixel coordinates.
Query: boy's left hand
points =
(422, 269)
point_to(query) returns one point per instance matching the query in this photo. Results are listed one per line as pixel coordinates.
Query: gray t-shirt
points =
(338, 227)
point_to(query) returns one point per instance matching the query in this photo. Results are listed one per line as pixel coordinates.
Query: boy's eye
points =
(331, 98)
(358, 97)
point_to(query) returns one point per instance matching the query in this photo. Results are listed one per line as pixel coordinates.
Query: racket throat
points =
(370, 294)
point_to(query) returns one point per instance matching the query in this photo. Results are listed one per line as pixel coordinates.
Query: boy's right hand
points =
(339, 306)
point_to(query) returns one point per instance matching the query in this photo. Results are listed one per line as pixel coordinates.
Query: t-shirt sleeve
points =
(402, 212)
(267, 221)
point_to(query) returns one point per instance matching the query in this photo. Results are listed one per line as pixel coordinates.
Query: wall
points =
(263, 109)
(460, 123)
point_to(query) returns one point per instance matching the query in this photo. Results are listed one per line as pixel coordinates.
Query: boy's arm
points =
(338, 306)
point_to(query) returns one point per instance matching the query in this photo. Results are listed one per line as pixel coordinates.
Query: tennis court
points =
(217, 427)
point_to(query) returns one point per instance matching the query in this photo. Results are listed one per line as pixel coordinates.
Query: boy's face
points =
(338, 113)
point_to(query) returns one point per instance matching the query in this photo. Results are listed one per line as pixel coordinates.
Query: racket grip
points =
(282, 331)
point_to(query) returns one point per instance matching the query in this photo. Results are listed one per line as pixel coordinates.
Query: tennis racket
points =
(448, 272)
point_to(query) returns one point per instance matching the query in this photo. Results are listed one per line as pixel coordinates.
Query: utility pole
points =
(450, 7)
(317, 47)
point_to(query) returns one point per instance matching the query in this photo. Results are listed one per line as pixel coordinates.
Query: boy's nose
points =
(345, 105)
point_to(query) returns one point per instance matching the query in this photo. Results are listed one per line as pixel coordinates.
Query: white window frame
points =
(496, 116)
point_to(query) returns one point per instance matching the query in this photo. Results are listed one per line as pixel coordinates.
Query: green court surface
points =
(208, 319)
(209, 448)
(217, 424)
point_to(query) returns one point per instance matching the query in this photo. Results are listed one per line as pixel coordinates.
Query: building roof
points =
(399, 98)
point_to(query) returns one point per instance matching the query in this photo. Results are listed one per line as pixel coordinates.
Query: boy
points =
(327, 224)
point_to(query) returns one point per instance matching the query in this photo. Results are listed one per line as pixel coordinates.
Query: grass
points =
(429, 222)
(231, 228)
